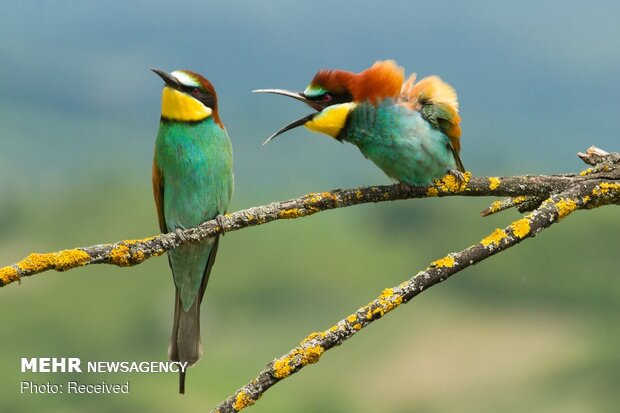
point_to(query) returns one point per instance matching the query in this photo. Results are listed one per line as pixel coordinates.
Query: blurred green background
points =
(534, 329)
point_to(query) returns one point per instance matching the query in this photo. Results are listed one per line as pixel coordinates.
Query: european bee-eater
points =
(192, 183)
(410, 130)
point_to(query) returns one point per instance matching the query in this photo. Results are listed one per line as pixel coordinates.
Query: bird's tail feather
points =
(185, 343)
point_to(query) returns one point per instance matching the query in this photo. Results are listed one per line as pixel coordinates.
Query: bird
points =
(192, 183)
(410, 130)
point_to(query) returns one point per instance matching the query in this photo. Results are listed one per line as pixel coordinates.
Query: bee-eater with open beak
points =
(410, 130)
(192, 183)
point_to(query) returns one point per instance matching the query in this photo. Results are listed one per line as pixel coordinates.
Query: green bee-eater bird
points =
(192, 183)
(410, 130)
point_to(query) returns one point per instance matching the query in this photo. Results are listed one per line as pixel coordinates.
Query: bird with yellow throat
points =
(192, 183)
(411, 130)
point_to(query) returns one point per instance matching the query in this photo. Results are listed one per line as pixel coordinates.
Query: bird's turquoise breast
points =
(195, 162)
(400, 142)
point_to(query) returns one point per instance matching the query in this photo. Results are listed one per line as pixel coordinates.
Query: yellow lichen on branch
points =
(445, 262)
(494, 238)
(565, 207)
(296, 359)
(386, 302)
(60, 261)
(312, 354)
(450, 183)
(313, 200)
(120, 255)
(521, 227)
(605, 187)
(37, 262)
(127, 253)
(8, 275)
(282, 368)
(290, 213)
(242, 401)
(497, 206)
(494, 183)
(70, 258)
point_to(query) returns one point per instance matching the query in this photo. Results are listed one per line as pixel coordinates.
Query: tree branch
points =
(605, 174)
(579, 194)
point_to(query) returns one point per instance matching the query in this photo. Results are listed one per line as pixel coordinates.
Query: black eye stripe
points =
(203, 96)
(190, 88)
(329, 98)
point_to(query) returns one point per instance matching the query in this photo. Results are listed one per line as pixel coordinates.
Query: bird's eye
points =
(195, 91)
(326, 97)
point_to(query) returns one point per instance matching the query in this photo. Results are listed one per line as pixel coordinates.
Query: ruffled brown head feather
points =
(382, 80)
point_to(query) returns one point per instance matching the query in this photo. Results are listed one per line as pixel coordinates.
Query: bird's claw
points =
(179, 233)
(458, 175)
(221, 222)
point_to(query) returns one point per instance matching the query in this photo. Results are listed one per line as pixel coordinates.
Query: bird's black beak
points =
(298, 96)
(295, 95)
(168, 78)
